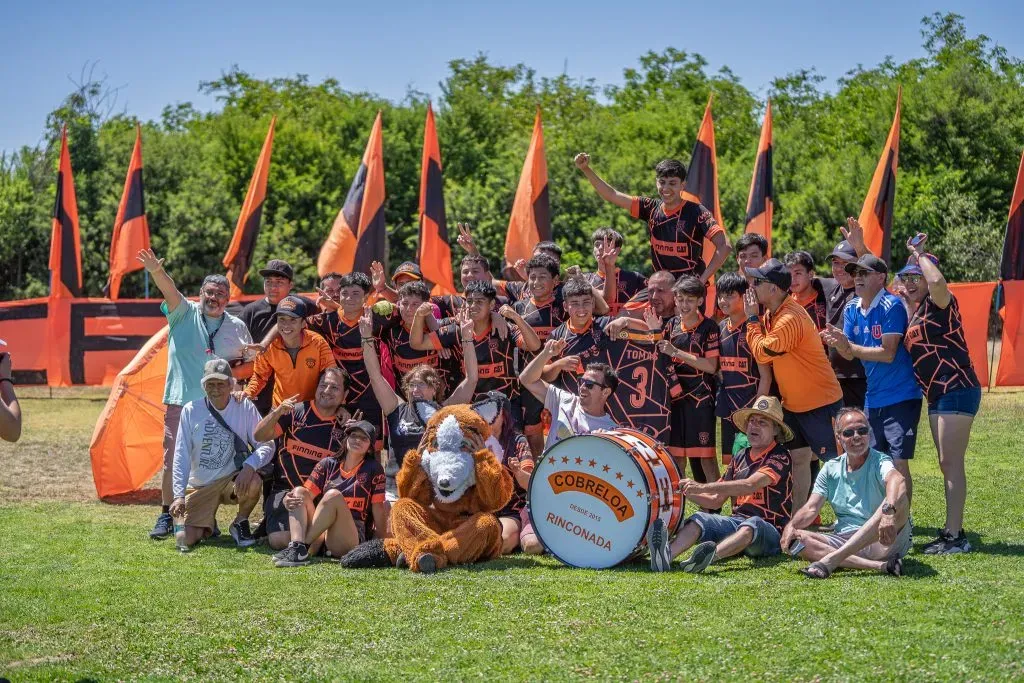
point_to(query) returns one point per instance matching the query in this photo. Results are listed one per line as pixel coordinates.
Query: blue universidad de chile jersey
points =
(888, 383)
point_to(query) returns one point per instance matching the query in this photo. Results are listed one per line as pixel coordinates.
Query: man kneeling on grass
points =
(761, 481)
(869, 497)
(213, 465)
(339, 502)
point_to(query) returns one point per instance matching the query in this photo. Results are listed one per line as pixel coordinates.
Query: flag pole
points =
(147, 283)
(992, 351)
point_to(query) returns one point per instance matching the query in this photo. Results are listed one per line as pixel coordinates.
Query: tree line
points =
(962, 133)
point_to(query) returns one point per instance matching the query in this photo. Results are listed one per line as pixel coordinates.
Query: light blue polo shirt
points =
(854, 496)
(888, 383)
(187, 345)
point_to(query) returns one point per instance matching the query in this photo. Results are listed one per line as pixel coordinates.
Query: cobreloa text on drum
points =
(593, 497)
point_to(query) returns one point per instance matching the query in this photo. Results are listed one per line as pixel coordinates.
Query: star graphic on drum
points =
(606, 468)
(592, 463)
(579, 461)
(565, 459)
(639, 494)
(629, 483)
(551, 461)
(618, 475)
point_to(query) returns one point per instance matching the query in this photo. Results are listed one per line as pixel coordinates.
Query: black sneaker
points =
(936, 546)
(702, 557)
(295, 555)
(241, 533)
(657, 543)
(164, 526)
(954, 545)
(280, 553)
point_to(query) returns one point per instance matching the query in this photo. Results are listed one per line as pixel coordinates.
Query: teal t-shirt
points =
(187, 345)
(854, 496)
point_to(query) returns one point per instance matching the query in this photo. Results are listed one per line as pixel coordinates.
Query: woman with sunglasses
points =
(936, 343)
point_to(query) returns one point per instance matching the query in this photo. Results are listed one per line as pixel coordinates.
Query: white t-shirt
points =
(205, 451)
(568, 418)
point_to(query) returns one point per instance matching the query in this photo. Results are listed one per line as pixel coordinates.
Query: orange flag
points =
(435, 252)
(702, 187)
(876, 214)
(761, 202)
(1010, 372)
(358, 236)
(239, 255)
(1012, 264)
(65, 238)
(131, 230)
(531, 211)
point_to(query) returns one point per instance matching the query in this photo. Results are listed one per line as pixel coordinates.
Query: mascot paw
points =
(369, 555)
(426, 564)
(401, 562)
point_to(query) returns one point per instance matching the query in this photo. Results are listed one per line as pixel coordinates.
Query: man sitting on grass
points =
(212, 462)
(759, 477)
(869, 497)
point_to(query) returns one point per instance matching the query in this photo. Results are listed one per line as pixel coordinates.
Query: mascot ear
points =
(488, 409)
(425, 409)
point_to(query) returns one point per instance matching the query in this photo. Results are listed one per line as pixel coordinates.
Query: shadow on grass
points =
(978, 544)
(140, 497)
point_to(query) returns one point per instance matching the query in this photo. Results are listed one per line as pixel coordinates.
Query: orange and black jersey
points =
(404, 358)
(450, 304)
(520, 448)
(647, 384)
(346, 343)
(543, 318)
(495, 358)
(677, 237)
(628, 283)
(701, 340)
(362, 487)
(815, 300)
(304, 438)
(937, 346)
(588, 343)
(738, 369)
(773, 503)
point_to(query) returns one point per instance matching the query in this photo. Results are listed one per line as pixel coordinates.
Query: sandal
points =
(894, 567)
(817, 570)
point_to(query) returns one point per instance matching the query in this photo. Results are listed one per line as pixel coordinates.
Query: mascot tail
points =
(368, 555)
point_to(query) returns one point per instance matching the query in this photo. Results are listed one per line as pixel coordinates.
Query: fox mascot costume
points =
(449, 489)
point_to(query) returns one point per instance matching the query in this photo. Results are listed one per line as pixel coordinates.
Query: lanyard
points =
(211, 335)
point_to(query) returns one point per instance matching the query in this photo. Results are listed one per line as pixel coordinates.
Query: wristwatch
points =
(888, 508)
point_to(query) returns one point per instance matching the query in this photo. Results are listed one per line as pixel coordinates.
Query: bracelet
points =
(368, 339)
(7, 379)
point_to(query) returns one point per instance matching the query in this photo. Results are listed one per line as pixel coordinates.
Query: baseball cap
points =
(291, 306)
(409, 270)
(914, 268)
(774, 271)
(843, 251)
(277, 267)
(216, 368)
(362, 426)
(867, 262)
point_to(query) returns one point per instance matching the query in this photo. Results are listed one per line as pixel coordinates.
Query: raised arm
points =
(386, 396)
(722, 251)
(532, 377)
(467, 387)
(163, 281)
(764, 346)
(604, 190)
(531, 342)
(417, 333)
(938, 290)
(266, 428)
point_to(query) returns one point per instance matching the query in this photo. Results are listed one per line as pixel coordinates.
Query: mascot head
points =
(452, 436)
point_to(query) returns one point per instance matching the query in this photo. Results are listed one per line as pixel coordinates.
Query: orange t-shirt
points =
(790, 342)
(291, 377)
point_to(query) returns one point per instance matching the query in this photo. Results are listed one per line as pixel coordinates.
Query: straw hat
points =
(766, 406)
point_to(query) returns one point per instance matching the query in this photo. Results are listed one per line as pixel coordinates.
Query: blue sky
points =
(157, 53)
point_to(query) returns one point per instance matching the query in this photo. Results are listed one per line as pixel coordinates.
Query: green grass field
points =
(85, 594)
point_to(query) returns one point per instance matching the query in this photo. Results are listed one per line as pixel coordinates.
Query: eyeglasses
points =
(590, 384)
(850, 431)
(911, 279)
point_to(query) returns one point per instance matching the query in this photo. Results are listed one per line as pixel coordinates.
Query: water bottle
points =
(179, 534)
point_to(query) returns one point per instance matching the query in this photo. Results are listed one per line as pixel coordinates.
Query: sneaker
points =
(954, 545)
(702, 557)
(240, 532)
(215, 532)
(937, 546)
(280, 553)
(657, 543)
(164, 526)
(295, 555)
(261, 529)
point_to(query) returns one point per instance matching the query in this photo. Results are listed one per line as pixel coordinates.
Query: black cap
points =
(277, 267)
(291, 306)
(408, 269)
(363, 426)
(867, 262)
(844, 251)
(774, 271)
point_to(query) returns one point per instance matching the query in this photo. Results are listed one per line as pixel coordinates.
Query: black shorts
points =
(894, 428)
(533, 412)
(729, 433)
(815, 429)
(692, 432)
(275, 514)
(854, 391)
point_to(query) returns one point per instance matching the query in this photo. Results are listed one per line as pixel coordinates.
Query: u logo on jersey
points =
(876, 331)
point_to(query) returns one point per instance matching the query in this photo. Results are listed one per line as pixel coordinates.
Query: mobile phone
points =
(917, 239)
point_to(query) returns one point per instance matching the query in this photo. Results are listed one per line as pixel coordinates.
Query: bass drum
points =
(593, 497)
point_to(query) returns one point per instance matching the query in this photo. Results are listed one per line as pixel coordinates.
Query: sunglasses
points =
(590, 384)
(850, 431)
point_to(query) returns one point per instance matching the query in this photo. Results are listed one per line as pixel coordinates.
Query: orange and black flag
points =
(239, 255)
(358, 236)
(1012, 264)
(65, 239)
(435, 252)
(531, 211)
(761, 201)
(876, 214)
(131, 231)
(702, 176)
